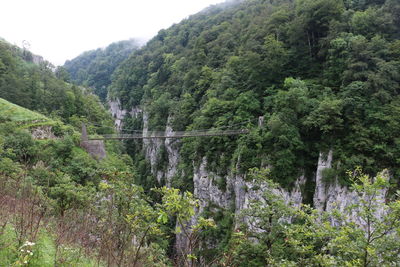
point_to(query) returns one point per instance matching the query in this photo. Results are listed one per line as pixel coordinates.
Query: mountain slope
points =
(94, 68)
(323, 78)
(324, 74)
(12, 112)
(48, 181)
(34, 85)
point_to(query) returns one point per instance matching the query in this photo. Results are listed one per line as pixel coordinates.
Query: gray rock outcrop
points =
(119, 114)
(43, 132)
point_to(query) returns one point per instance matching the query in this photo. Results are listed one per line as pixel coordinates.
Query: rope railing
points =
(178, 134)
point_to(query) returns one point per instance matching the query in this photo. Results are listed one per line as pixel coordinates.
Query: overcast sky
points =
(62, 29)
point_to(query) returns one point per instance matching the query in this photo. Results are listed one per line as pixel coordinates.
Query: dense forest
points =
(322, 74)
(94, 68)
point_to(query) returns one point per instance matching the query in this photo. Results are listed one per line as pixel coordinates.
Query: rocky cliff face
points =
(119, 114)
(152, 149)
(172, 148)
(206, 188)
(43, 132)
(239, 191)
(321, 190)
(331, 195)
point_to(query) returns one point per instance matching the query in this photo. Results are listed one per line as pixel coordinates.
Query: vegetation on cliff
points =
(324, 74)
(60, 206)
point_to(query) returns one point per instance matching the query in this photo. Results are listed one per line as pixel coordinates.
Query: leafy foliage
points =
(291, 236)
(37, 88)
(94, 68)
(324, 74)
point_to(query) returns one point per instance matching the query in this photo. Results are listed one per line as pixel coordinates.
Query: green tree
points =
(364, 234)
(183, 207)
(62, 74)
(127, 225)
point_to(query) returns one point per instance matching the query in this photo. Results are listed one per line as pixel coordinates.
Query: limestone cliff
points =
(331, 195)
(118, 113)
(239, 191)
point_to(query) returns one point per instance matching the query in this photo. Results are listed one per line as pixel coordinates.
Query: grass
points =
(15, 113)
(43, 252)
(7, 247)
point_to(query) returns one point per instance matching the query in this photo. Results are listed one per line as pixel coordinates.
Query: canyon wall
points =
(240, 191)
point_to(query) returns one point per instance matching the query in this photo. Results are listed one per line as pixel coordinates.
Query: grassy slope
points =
(24, 117)
(12, 112)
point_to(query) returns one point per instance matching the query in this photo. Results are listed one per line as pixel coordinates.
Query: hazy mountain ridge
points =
(94, 68)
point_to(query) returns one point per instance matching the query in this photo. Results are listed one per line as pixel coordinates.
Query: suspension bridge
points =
(94, 144)
(223, 131)
(164, 135)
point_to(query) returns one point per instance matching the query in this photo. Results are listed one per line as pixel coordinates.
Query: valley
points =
(253, 133)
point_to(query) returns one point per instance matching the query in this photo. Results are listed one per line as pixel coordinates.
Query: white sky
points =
(62, 29)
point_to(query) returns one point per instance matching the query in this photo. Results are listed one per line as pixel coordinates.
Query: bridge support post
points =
(84, 136)
(94, 147)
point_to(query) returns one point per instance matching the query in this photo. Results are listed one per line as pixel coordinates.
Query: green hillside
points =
(42, 88)
(94, 68)
(48, 185)
(324, 74)
(12, 112)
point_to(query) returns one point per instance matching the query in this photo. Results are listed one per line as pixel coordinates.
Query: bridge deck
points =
(154, 135)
